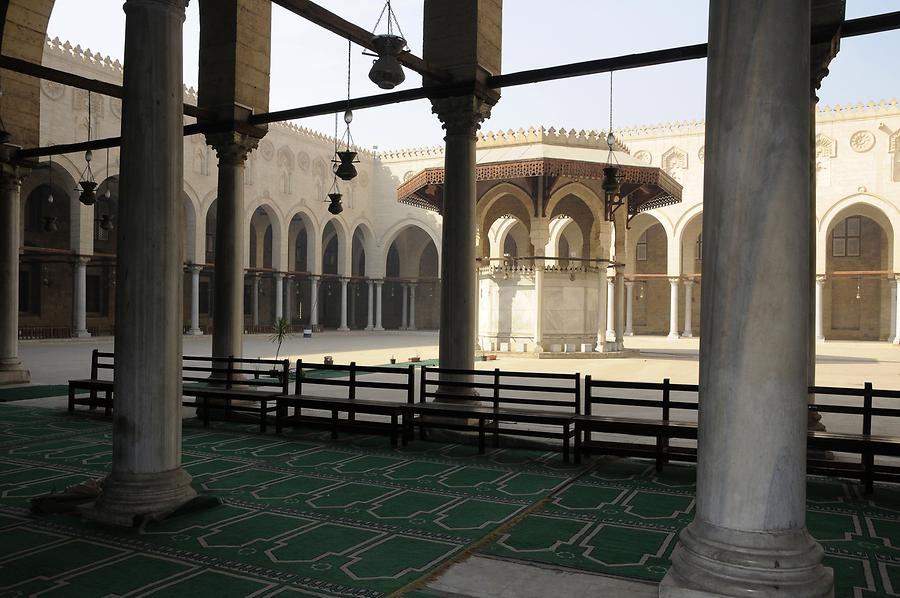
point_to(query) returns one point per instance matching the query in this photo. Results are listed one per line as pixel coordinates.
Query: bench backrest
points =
(351, 378)
(865, 407)
(264, 374)
(101, 362)
(499, 388)
(660, 396)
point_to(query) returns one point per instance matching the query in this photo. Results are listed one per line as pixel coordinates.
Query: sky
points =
(309, 64)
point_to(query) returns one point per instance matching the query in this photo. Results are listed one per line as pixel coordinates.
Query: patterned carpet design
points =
(305, 516)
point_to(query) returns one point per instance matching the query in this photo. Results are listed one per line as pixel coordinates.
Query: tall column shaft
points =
(674, 282)
(313, 300)
(620, 308)
(370, 322)
(688, 308)
(279, 296)
(195, 301)
(287, 301)
(378, 304)
(611, 307)
(146, 472)
(539, 304)
(411, 324)
(603, 301)
(748, 535)
(629, 308)
(820, 322)
(11, 370)
(404, 313)
(343, 325)
(79, 299)
(461, 116)
(254, 301)
(896, 307)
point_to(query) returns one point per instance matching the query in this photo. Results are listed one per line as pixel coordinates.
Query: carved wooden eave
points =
(643, 187)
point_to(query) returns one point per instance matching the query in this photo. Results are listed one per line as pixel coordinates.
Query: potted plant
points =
(415, 358)
(393, 359)
(280, 332)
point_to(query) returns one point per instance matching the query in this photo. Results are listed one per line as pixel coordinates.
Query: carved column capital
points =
(820, 278)
(461, 115)
(674, 280)
(232, 148)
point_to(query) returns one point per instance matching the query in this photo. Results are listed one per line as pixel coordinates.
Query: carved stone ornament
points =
(232, 148)
(266, 149)
(53, 90)
(701, 154)
(862, 141)
(674, 161)
(643, 156)
(825, 146)
(303, 161)
(461, 115)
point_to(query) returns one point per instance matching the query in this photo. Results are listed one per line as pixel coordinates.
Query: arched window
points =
(698, 249)
(845, 238)
(640, 252)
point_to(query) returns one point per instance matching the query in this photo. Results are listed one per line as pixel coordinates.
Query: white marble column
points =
(404, 314)
(343, 327)
(611, 308)
(620, 308)
(195, 300)
(11, 369)
(603, 300)
(820, 316)
(79, 298)
(147, 477)
(279, 296)
(539, 304)
(370, 319)
(896, 307)
(674, 281)
(411, 323)
(748, 536)
(254, 301)
(313, 301)
(378, 305)
(688, 308)
(288, 303)
(629, 308)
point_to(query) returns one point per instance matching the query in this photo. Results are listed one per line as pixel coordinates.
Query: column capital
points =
(379, 282)
(11, 174)
(674, 280)
(232, 148)
(278, 275)
(821, 278)
(688, 281)
(629, 284)
(461, 115)
(176, 6)
(82, 259)
(194, 267)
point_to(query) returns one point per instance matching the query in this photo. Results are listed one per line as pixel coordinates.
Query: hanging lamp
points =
(88, 184)
(611, 180)
(345, 159)
(387, 72)
(334, 197)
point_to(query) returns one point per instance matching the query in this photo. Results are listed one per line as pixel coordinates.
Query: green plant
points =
(280, 332)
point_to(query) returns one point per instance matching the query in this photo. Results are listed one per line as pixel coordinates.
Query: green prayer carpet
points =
(22, 393)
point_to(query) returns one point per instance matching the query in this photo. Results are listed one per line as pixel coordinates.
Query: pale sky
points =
(309, 64)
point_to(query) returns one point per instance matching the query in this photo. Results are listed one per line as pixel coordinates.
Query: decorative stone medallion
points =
(862, 141)
(643, 156)
(701, 155)
(267, 149)
(53, 90)
(303, 161)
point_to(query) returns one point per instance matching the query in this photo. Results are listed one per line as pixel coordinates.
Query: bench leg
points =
(334, 425)
(279, 413)
(659, 453)
(480, 435)
(869, 472)
(393, 429)
(405, 434)
(422, 433)
(108, 406)
(205, 399)
(566, 443)
(71, 400)
(263, 410)
(578, 433)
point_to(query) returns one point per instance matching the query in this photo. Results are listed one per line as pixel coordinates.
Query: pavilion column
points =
(620, 309)
(893, 307)
(286, 306)
(748, 535)
(539, 304)
(404, 314)
(462, 117)
(11, 369)
(820, 316)
(688, 308)
(629, 308)
(343, 327)
(279, 296)
(313, 301)
(411, 324)
(146, 475)
(254, 301)
(674, 282)
(79, 298)
(371, 313)
(232, 150)
(378, 305)
(603, 300)
(896, 308)
(611, 307)
(195, 300)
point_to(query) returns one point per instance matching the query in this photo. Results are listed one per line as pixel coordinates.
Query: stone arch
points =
(862, 204)
(335, 230)
(641, 223)
(394, 232)
(687, 230)
(566, 240)
(506, 231)
(578, 209)
(363, 240)
(51, 224)
(587, 195)
(192, 226)
(302, 243)
(274, 255)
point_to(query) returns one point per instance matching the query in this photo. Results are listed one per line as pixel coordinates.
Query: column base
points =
(81, 334)
(687, 335)
(378, 329)
(629, 333)
(820, 339)
(12, 372)
(369, 328)
(674, 336)
(343, 329)
(126, 497)
(896, 341)
(195, 332)
(713, 562)
(411, 328)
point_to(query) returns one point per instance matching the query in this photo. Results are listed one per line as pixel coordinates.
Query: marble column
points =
(674, 282)
(629, 308)
(461, 117)
(11, 369)
(232, 150)
(688, 308)
(79, 298)
(343, 327)
(147, 477)
(601, 345)
(254, 301)
(287, 303)
(611, 307)
(313, 301)
(620, 308)
(279, 296)
(539, 304)
(195, 300)
(748, 536)
(411, 323)
(820, 316)
(896, 308)
(378, 305)
(370, 323)
(404, 314)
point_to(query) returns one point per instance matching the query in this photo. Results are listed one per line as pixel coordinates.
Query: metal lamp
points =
(387, 72)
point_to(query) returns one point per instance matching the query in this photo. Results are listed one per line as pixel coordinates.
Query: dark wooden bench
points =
(864, 443)
(509, 403)
(96, 385)
(657, 424)
(355, 384)
(234, 384)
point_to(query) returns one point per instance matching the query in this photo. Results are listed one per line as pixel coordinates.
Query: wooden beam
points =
(314, 13)
(93, 85)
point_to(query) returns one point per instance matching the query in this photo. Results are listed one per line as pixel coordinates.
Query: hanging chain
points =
(610, 102)
(349, 50)
(89, 115)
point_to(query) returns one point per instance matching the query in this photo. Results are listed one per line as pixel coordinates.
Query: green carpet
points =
(21, 393)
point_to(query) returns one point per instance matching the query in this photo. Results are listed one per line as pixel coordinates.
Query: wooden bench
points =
(507, 404)
(234, 384)
(864, 443)
(96, 384)
(658, 425)
(313, 380)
